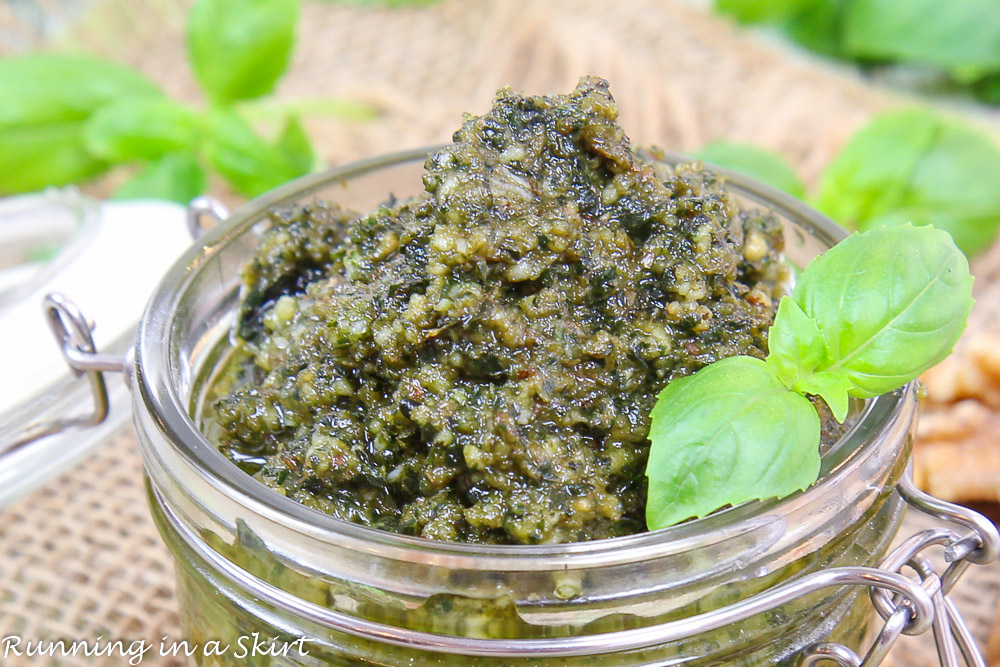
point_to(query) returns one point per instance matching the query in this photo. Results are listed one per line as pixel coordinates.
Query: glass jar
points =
(261, 574)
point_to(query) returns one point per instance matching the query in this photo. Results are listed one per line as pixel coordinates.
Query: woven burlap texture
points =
(80, 558)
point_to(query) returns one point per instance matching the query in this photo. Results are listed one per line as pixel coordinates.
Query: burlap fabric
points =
(80, 558)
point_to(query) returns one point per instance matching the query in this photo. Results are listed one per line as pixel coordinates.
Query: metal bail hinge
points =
(73, 332)
(979, 544)
(202, 206)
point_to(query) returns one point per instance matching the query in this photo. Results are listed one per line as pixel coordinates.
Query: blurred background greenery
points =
(69, 116)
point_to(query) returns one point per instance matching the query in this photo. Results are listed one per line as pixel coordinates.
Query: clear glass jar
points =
(251, 561)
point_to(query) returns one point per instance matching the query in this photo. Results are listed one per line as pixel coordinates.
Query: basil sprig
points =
(66, 118)
(865, 318)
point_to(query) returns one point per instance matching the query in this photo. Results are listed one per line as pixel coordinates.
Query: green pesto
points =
(478, 364)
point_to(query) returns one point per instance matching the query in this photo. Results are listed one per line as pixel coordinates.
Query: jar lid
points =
(107, 257)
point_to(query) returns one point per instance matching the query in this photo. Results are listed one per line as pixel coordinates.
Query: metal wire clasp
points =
(200, 207)
(73, 332)
(979, 544)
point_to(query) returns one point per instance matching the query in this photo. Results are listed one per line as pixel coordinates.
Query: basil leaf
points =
(248, 163)
(815, 24)
(177, 177)
(957, 34)
(754, 162)
(819, 26)
(833, 386)
(41, 88)
(971, 231)
(869, 175)
(757, 11)
(795, 348)
(46, 99)
(889, 304)
(35, 156)
(987, 89)
(914, 166)
(294, 146)
(796, 352)
(730, 433)
(143, 129)
(240, 48)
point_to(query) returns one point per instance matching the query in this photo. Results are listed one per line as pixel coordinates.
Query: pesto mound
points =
(478, 364)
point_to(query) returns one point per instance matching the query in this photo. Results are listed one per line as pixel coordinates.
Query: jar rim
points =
(155, 389)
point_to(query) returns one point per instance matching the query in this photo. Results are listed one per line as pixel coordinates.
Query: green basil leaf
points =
(41, 88)
(955, 34)
(46, 99)
(141, 129)
(35, 156)
(248, 163)
(730, 433)
(815, 24)
(889, 304)
(754, 162)
(818, 26)
(796, 353)
(757, 11)
(987, 89)
(833, 386)
(914, 165)
(295, 147)
(795, 348)
(870, 175)
(971, 232)
(240, 48)
(177, 177)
